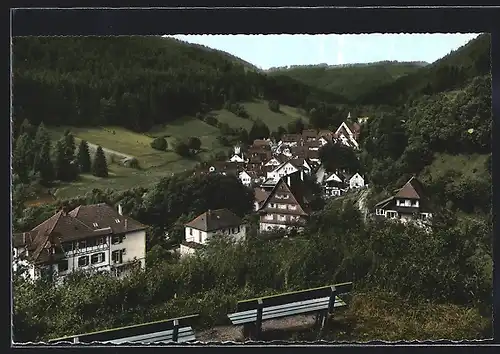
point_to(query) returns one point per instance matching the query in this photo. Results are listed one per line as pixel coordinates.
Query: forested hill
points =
(348, 80)
(452, 71)
(135, 82)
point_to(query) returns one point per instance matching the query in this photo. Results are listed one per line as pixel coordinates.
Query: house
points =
(248, 177)
(301, 164)
(259, 155)
(348, 134)
(325, 136)
(286, 206)
(275, 161)
(309, 135)
(286, 168)
(409, 203)
(333, 185)
(356, 181)
(262, 144)
(89, 237)
(290, 140)
(211, 222)
(238, 155)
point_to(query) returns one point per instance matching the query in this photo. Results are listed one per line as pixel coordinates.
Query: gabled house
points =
(286, 168)
(348, 134)
(333, 185)
(248, 177)
(275, 161)
(301, 164)
(325, 137)
(89, 237)
(286, 206)
(204, 226)
(356, 181)
(409, 203)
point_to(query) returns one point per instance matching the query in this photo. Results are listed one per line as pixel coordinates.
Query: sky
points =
(266, 51)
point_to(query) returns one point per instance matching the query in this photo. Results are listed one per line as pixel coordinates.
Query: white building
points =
(238, 156)
(285, 169)
(204, 226)
(356, 181)
(90, 237)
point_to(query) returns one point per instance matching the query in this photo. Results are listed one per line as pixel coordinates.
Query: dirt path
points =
(110, 152)
(274, 329)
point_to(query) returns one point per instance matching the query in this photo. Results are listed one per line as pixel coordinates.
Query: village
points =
(100, 238)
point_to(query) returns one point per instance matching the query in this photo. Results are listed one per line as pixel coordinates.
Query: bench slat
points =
(298, 308)
(283, 307)
(153, 337)
(295, 296)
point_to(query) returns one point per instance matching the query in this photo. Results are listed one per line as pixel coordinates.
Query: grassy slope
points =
(467, 165)
(349, 80)
(157, 164)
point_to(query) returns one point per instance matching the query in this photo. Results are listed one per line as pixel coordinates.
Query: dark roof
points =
(309, 133)
(412, 190)
(260, 194)
(291, 138)
(73, 226)
(105, 216)
(296, 190)
(213, 220)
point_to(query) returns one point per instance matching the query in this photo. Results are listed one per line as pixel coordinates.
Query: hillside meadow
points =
(119, 143)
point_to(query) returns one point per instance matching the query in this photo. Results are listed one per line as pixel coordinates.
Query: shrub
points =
(159, 144)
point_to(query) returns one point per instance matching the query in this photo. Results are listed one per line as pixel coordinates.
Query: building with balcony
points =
(408, 204)
(89, 237)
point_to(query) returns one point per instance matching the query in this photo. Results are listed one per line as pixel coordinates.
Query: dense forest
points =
(350, 81)
(440, 111)
(135, 82)
(392, 83)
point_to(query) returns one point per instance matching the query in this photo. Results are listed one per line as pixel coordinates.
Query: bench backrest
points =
(129, 331)
(301, 295)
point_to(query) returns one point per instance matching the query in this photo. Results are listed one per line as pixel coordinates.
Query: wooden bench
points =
(322, 301)
(172, 330)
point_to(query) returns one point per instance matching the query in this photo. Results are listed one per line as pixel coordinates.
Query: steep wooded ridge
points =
(447, 73)
(135, 82)
(348, 80)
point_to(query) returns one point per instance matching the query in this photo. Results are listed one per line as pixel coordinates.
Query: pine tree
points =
(43, 164)
(61, 163)
(42, 137)
(70, 146)
(21, 157)
(26, 128)
(83, 157)
(100, 166)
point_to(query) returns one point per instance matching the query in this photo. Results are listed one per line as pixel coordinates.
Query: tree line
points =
(33, 157)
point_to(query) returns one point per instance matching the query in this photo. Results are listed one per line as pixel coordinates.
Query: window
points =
(269, 217)
(117, 256)
(236, 230)
(117, 239)
(281, 217)
(97, 258)
(117, 221)
(62, 266)
(82, 244)
(292, 207)
(391, 214)
(101, 241)
(199, 236)
(190, 232)
(83, 261)
(281, 206)
(95, 224)
(379, 211)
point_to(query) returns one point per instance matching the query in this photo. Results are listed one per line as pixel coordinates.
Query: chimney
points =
(120, 211)
(288, 181)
